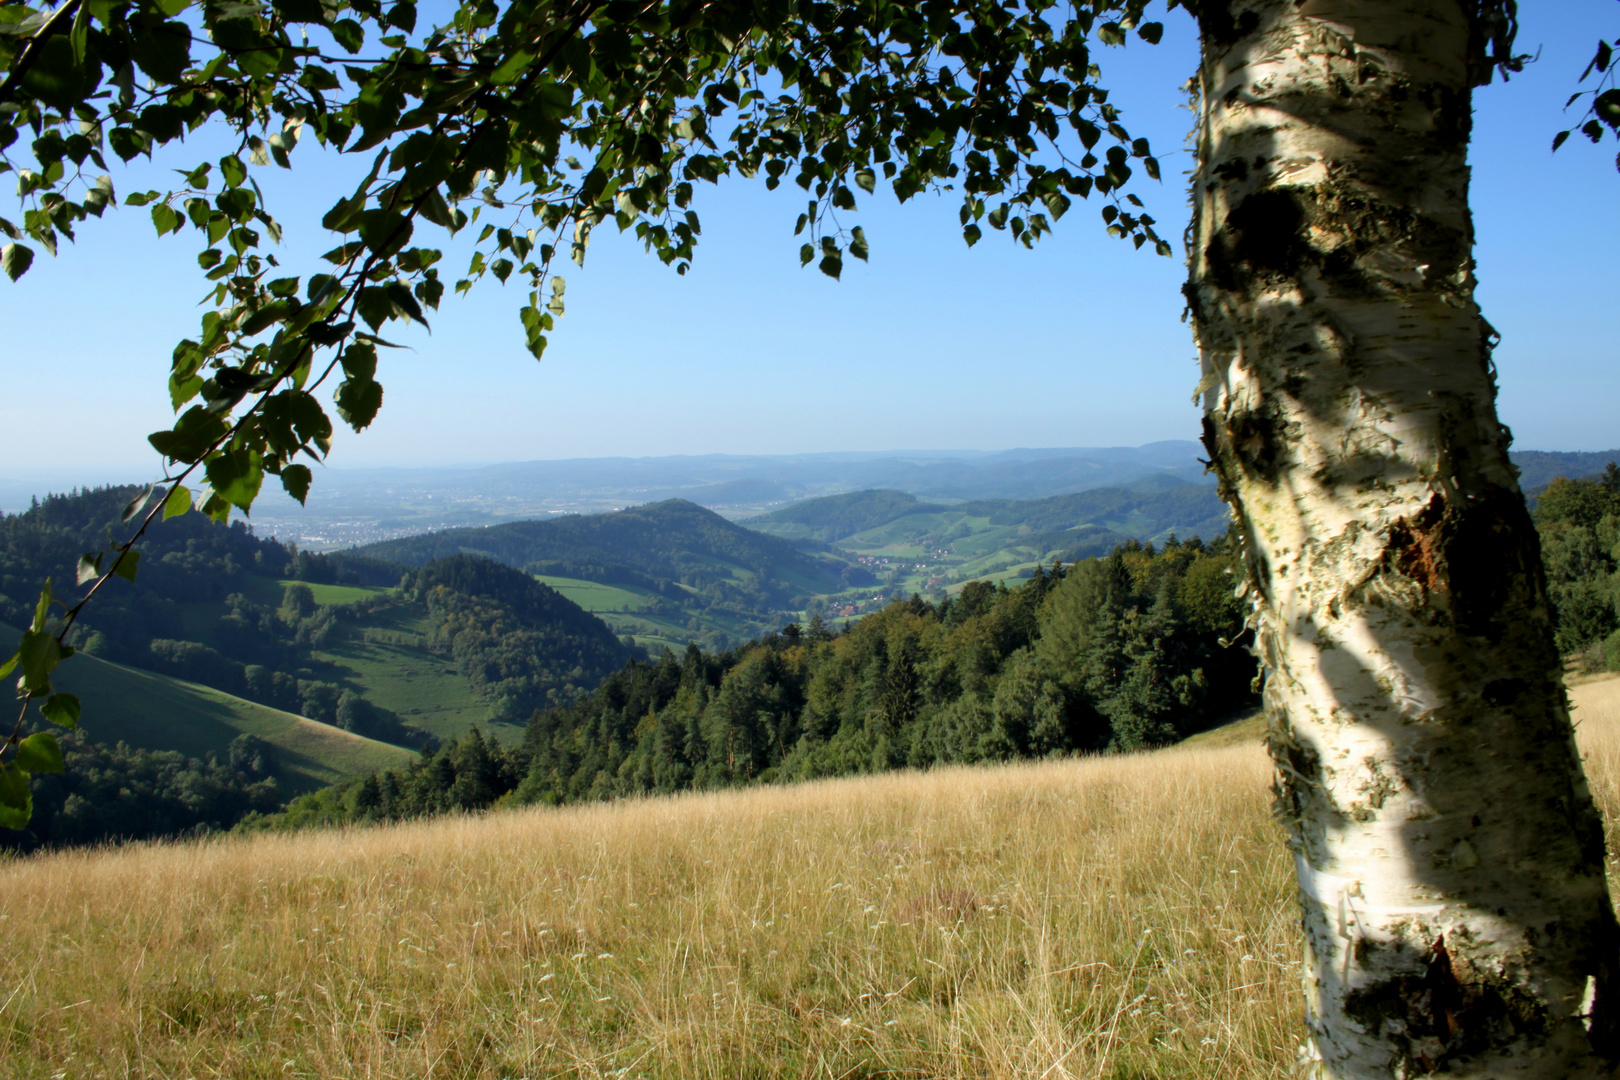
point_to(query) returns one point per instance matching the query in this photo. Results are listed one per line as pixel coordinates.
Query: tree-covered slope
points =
(1537, 468)
(903, 545)
(673, 540)
(833, 517)
(1142, 511)
(1121, 652)
(679, 573)
(520, 644)
(1146, 511)
(323, 637)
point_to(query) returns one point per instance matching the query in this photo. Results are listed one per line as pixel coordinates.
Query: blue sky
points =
(1078, 343)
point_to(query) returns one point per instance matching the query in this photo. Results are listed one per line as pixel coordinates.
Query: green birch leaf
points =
(135, 504)
(62, 710)
(236, 475)
(126, 566)
(178, 502)
(39, 653)
(40, 753)
(15, 260)
(357, 401)
(16, 801)
(295, 479)
(43, 607)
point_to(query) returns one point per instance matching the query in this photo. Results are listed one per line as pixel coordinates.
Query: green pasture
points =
(264, 590)
(596, 597)
(158, 712)
(384, 658)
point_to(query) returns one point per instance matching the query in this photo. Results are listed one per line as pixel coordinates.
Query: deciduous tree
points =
(1451, 862)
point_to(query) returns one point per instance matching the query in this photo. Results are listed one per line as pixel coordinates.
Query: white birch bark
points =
(1450, 859)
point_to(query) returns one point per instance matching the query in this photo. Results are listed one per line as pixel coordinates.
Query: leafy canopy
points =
(532, 122)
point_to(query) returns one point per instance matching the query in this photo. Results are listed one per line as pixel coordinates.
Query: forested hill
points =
(521, 644)
(184, 559)
(1136, 649)
(670, 541)
(833, 517)
(346, 640)
(1094, 520)
(1537, 468)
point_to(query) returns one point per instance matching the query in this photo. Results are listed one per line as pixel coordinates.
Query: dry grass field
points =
(1121, 917)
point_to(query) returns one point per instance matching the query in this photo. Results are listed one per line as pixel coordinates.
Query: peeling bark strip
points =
(1450, 858)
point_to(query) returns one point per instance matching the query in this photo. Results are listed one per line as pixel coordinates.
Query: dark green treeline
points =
(1133, 650)
(1579, 525)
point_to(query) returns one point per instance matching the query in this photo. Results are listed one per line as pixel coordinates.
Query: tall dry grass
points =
(1107, 918)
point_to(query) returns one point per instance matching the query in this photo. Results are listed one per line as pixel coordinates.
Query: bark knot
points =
(1416, 547)
(1478, 553)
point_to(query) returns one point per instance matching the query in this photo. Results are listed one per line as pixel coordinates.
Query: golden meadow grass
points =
(1115, 917)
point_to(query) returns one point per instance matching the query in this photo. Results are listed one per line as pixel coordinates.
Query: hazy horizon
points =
(1078, 343)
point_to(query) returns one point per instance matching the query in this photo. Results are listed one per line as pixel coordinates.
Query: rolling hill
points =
(1538, 467)
(670, 540)
(909, 545)
(331, 638)
(160, 712)
(1143, 510)
(676, 571)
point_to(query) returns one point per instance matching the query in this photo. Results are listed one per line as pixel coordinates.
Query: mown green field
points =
(334, 594)
(385, 660)
(626, 609)
(159, 712)
(595, 597)
(264, 590)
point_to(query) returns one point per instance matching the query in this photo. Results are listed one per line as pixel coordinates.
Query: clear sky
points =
(1078, 343)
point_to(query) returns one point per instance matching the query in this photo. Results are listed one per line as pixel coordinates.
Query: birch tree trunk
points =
(1451, 862)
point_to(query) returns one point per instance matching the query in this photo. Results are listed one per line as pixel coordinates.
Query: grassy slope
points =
(597, 598)
(158, 712)
(624, 608)
(381, 657)
(1121, 917)
(384, 660)
(1242, 731)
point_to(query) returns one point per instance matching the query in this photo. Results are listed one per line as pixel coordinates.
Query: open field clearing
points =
(160, 712)
(1117, 917)
(387, 660)
(596, 597)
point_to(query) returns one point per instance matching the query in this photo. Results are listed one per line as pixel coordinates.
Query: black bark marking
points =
(1500, 692)
(1414, 548)
(1256, 440)
(1263, 234)
(1450, 1013)
(1218, 26)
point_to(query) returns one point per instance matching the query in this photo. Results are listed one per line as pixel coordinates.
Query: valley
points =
(344, 664)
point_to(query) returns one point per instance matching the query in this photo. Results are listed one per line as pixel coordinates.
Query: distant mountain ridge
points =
(1099, 516)
(673, 539)
(688, 571)
(351, 507)
(1537, 468)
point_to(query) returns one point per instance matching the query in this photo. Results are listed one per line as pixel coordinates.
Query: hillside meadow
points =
(148, 709)
(1107, 917)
